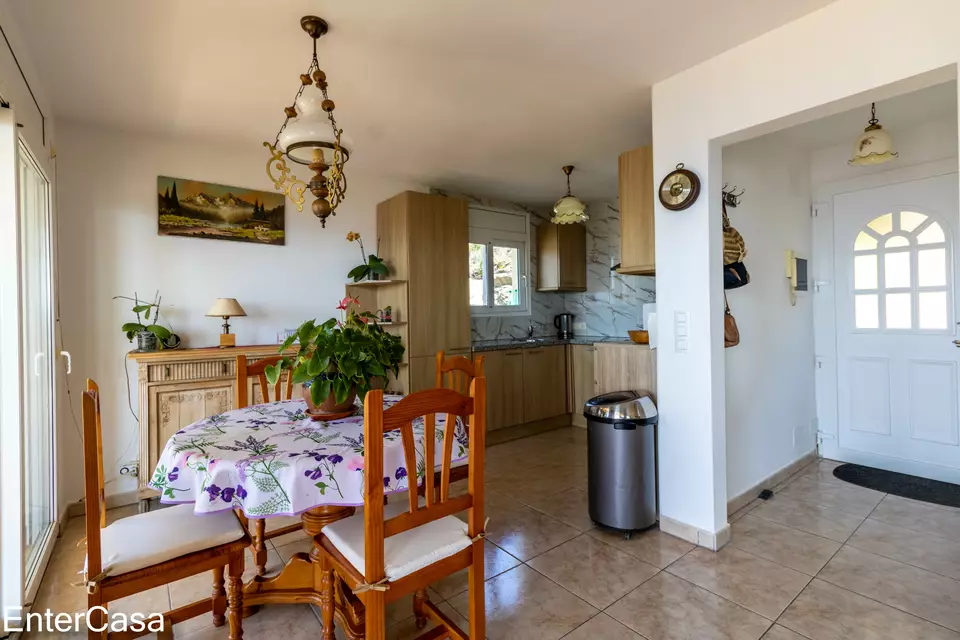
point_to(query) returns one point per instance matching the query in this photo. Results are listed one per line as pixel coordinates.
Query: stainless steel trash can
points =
(622, 460)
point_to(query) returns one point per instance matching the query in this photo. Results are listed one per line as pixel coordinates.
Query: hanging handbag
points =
(731, 334)
(734, 251)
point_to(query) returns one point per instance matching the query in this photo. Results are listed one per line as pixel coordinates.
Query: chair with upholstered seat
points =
(384, 554)
(257, 369)
(152, 549)
(457, 372)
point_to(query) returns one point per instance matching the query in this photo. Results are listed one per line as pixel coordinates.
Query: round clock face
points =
(679, 189)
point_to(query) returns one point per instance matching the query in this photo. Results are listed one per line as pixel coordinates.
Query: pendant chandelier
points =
(874, 146)
(310, 136)
(569, 209)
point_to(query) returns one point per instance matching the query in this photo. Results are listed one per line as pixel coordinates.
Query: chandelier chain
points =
(314, 64)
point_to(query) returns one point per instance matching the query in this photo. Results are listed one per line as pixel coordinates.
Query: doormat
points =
(900, 484)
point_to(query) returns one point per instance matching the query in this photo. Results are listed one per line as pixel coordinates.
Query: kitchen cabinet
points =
(505, 393)
(581, 380)
(637, 255)
(544, 383)
(423, 239)
(561, 257)
(625, 367)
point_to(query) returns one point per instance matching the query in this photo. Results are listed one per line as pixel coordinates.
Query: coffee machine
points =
(564, 324)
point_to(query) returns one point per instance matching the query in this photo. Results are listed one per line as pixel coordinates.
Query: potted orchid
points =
(373, 268)
(340, 359)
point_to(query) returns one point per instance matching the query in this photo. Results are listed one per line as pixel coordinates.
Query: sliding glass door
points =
(36, 284)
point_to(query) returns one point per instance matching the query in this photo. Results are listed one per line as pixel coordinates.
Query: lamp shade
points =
(874, 146)
(311, 131)
(226, 307)
(569, 210)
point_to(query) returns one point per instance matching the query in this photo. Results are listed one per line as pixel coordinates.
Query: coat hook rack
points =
(730, 196)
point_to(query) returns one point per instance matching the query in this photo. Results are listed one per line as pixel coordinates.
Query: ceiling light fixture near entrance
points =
(569, 209)
(874, 146)
(310, 136)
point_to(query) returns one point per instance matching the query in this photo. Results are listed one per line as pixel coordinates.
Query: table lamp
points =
(226, 308)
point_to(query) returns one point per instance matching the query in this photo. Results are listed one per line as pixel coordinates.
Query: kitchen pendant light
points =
(569, 209)
(310, 136)
(874, 146)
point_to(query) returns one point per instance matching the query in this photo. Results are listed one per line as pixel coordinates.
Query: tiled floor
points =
(821, 560)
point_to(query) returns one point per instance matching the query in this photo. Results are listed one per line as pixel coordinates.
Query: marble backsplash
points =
(612, 302)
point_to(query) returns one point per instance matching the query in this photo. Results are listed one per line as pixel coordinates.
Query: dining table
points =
(274, 459)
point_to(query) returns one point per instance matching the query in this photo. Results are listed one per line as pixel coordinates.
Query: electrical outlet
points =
(579, 326)
(131, 468)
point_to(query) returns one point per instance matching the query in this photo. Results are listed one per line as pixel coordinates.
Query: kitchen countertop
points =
(543, 341)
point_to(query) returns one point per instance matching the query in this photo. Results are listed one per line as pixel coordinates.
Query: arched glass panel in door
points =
(901, 274)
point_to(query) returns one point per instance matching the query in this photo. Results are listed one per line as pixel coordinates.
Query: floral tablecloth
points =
(272, 459)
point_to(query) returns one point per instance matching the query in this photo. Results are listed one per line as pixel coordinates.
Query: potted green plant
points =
(373, 268)
(338, 360)
(150, 337)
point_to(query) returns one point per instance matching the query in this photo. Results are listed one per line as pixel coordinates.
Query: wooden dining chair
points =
(245, 371)
(457, 373)
(386, 553)
(155, 548)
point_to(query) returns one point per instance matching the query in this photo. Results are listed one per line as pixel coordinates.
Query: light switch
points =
(681, 331)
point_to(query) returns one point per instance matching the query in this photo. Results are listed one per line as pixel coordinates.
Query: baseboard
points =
(527, 429)
(712, 541)
(75, 509)
(739, 502)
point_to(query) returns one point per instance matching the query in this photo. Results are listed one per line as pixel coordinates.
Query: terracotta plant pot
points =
(330, 405)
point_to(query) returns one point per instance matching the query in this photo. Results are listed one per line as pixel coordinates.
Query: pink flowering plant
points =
(340, 354)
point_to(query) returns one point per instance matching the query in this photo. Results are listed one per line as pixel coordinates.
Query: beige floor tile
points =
(602, 627)
(666, 607)
(653, 546)
(912, 547)
(521, 604)
(821, 470)
(823, 611)
(777, 632)
(495, 562)
(568, 506)
(288, 538)
(834, 495)
(920, 516)
(530, 485)
(156, 600)
(795, 549)
(407, 630)
(282, 621)
(121, 512)
(526, 533)
(279, 522)
(808, 516)
(303, 545)
(593, 570)
(399, 610)
(924, 594)
(744, 510)
(762, 586)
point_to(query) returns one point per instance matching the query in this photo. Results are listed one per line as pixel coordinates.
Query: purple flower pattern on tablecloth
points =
(271, 460)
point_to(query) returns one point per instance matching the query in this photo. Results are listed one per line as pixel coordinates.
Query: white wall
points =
(110, 246)
(802, 71)
(770, 374)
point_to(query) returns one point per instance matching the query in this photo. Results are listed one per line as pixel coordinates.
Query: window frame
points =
(492, 227)
(914, 289)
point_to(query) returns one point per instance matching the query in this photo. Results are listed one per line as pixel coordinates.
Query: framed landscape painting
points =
(219, 212)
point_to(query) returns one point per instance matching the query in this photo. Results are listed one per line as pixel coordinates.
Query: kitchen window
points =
(498, 260)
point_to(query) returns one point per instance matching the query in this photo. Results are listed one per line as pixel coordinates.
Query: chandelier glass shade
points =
(569, 209)
(874, 145)
(310, 136)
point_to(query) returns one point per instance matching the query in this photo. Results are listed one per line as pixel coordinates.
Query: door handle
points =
(36, 362)
(66, 354)
(956, 343)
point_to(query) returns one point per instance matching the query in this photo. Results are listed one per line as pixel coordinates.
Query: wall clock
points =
(679, 189)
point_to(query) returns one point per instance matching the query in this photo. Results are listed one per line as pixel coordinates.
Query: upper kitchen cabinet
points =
(561, 257)
(637, 255)
(423, 239)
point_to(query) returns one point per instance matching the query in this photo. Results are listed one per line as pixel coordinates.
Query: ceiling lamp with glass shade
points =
(874, 146)
(569, 209)
(310, 136)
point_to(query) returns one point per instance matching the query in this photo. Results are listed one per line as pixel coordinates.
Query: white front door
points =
(898, 368)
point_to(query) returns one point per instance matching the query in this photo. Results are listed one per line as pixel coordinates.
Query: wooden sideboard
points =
(180, 386)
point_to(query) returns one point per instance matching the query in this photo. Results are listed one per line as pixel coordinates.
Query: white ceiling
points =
(897, 113)
(488, 97)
